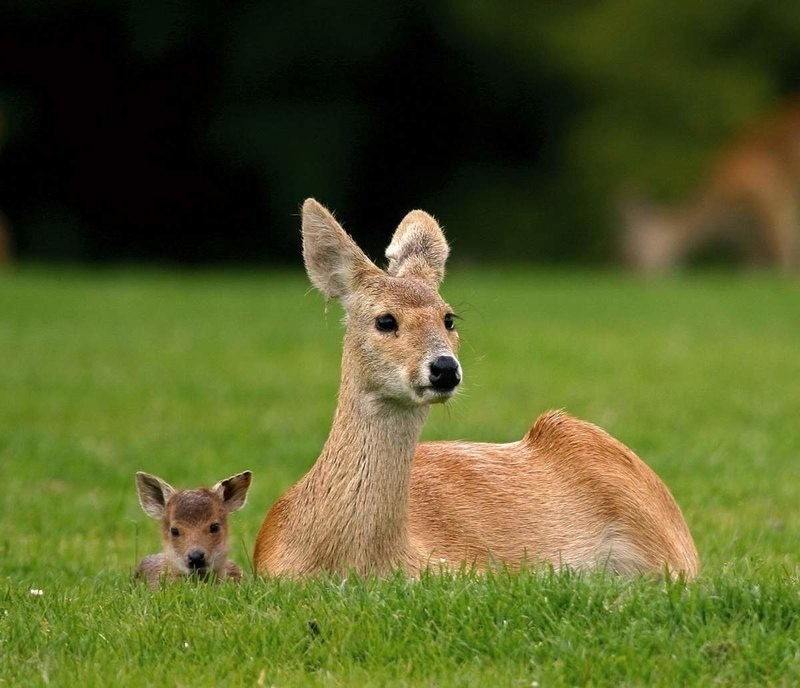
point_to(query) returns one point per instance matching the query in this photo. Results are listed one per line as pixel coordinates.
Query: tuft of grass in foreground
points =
(510, 629)
(197, 376)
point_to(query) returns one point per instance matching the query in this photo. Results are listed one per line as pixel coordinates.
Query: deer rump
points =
(567, 494)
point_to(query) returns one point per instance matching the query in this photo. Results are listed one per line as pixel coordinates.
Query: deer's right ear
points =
(154, 494)
(334, 263)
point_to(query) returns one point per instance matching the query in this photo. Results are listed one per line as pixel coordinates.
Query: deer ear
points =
(418, 249)
(334, 263)
(233, 490)
(154, 494)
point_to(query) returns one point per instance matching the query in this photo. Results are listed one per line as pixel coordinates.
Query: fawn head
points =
(194, 523)
(401, 341)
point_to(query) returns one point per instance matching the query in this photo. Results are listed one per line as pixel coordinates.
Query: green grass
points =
(196, 376)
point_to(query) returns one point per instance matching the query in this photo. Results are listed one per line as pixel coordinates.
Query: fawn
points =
(194, 528)
(566, 494)
(751, 199)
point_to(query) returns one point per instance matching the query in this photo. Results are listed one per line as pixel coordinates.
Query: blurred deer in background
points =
(566, 494)
(194, 528)
(750, 199)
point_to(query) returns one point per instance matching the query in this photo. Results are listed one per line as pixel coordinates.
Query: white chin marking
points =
(434, 396)
(180, 564)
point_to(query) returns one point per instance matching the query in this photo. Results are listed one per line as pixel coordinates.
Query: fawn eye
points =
(386, 323)
(174, 532)
(450, 321)
(214, 527)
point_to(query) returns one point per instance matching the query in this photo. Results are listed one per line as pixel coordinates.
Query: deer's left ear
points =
(418, 249)
(233, 490)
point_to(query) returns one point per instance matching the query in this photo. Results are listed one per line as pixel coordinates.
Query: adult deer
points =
(751, 199)
(566, 494)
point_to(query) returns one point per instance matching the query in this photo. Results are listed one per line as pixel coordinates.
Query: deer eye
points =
(174, 532)
(214, 527)
(450, 321)
(386, 323)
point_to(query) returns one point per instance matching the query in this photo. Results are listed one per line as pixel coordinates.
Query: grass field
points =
(196, 376)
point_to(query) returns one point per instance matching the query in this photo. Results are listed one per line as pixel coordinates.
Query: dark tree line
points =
(191, 132)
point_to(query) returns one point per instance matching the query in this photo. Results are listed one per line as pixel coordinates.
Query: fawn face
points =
(401, 342)
(194, 523)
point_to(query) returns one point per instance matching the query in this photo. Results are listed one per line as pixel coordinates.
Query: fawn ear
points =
(154, 494)
(334, 263)
(233, 490)
(418, 249)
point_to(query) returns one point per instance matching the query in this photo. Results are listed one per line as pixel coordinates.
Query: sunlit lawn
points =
(195, 376)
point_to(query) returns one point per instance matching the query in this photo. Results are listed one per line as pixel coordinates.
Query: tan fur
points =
(194, 528)
(751, 198)
(566, 494)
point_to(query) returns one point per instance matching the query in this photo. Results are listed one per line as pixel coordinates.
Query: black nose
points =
(444, 373)
(196, 558)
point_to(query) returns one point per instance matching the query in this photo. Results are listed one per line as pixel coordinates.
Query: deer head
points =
(194, 523)
(401, 341)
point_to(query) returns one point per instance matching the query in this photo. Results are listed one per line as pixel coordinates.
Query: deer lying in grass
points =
(750, 199)
(566, 494)
(194, 528)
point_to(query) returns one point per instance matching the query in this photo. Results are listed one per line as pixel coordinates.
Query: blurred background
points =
(186, 132)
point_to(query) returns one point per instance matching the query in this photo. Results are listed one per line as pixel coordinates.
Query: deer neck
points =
(358, 489)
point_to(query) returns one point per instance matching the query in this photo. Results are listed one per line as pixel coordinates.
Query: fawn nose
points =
(196, 559)
(445, 373)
